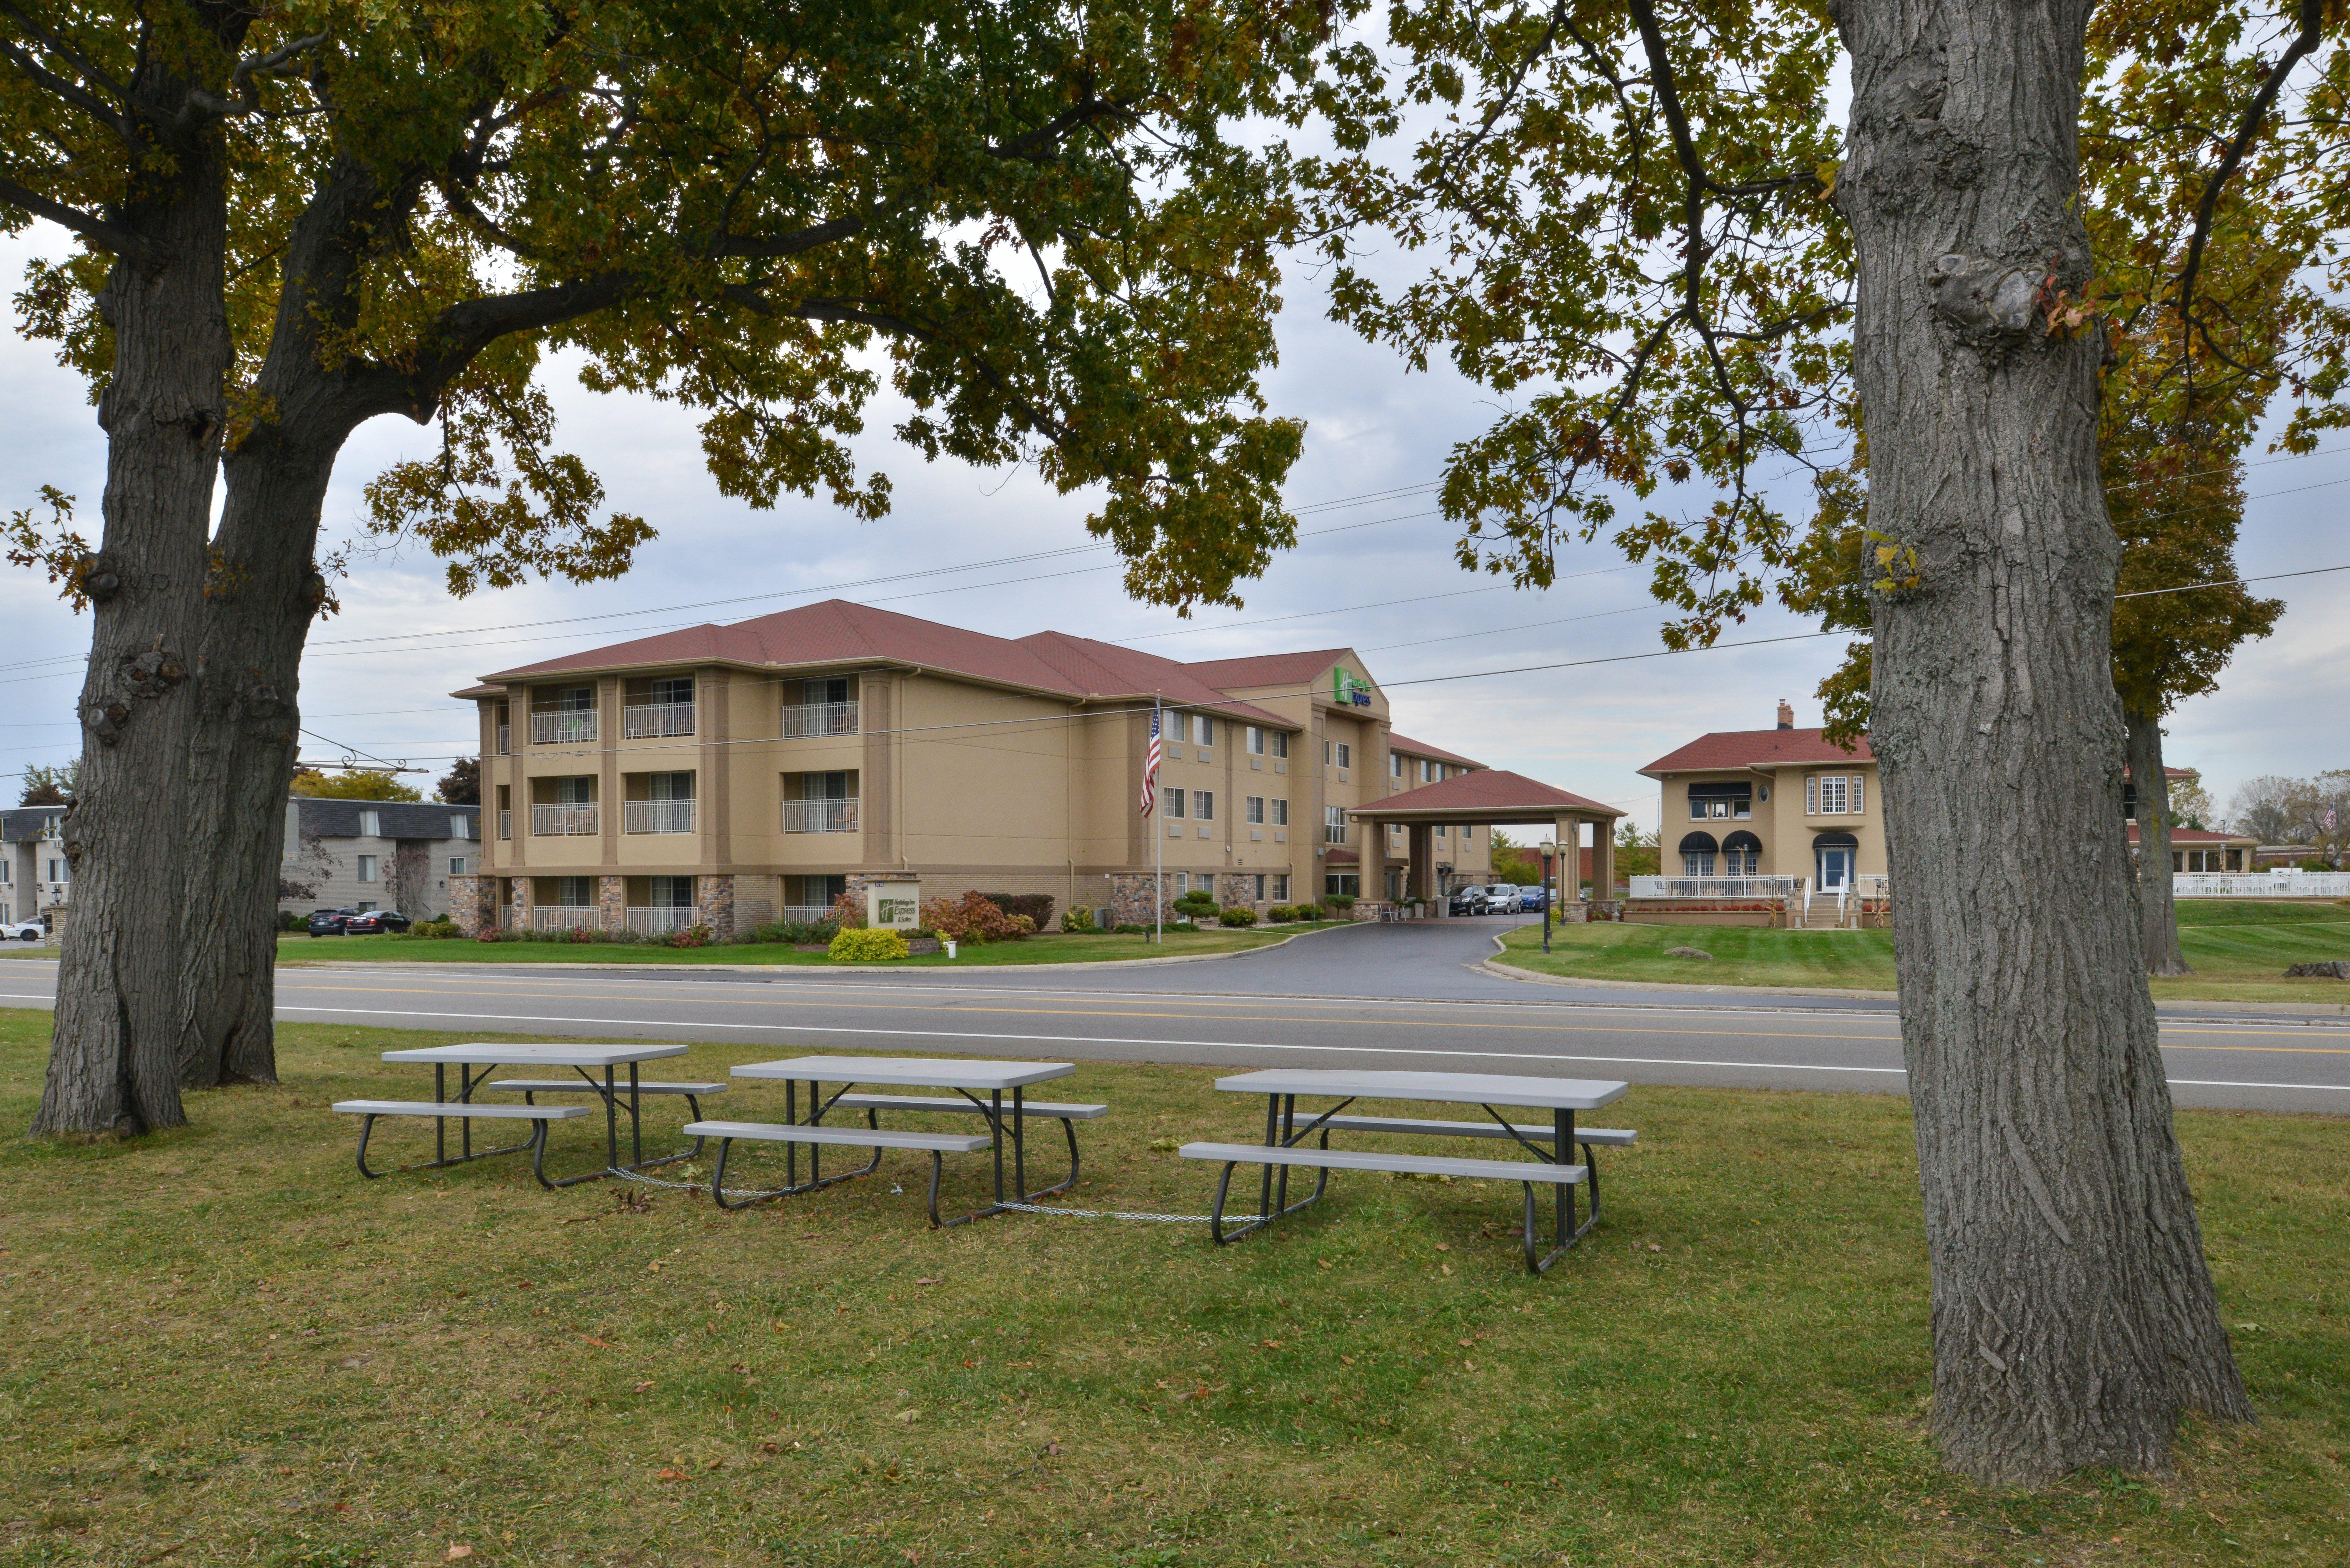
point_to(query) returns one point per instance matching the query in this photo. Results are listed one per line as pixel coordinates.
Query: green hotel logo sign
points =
(1348, 689)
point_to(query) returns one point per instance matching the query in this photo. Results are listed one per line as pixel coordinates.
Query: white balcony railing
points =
(820, 816)
(505, 825)
(657, 817)
(562, 917)
(562, 821)
(505, 739)
(645, 720)
(562, 729)
(2277, 884)
(654, 922)
(809, 913)
(1717, 887)
(810, 719)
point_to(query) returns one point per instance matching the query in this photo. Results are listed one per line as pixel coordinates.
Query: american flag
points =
(1151, 768)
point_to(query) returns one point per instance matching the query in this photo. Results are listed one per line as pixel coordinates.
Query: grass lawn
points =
(2239, 952)
(1044, 947)
(225, 1348)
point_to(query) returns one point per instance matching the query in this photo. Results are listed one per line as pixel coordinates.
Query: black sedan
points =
(375, 922)
(331, 923)
(1468, 902)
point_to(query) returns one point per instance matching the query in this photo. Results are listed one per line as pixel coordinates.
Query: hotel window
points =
(1281, 742)
(1203, 805)
(1442, 831)
(1280, 888)
(1256, 809)
(1260, 887)
(1346, 755)
(1203, 729)
(367, 868)
(1256, 740)
(1325, 753)
(1182, 883)
(1395, 766)
(1175, 803)
(1334, 825)
(1430, 772)
(1281, 814)
(456, 865)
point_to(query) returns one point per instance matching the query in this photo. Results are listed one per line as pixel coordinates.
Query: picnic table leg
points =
(611, 1121)
(995, 1126)
(636, 1119)
(1288, 1137)
(1272, 1140)
(439, 1126)
(1019, 1145)
(1562, 1150)
(816, 1150)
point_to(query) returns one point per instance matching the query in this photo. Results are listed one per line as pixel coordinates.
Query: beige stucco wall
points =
(1786, 830)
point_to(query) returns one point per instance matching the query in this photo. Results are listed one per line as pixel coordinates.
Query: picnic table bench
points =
(969, 1079)
(444, 1111)
(1551, 1145)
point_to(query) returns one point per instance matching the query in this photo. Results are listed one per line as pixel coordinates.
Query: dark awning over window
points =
(1742, 840)
(1834, 841)
(1723, 789)
(1698, 844)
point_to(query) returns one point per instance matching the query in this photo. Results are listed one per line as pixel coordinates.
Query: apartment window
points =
(1256, 810)
(1260, 888)
(1281, 814)
(1325, 753)
(1256, 740)
(367, 868)
(1175, 804)
(371, 825)
(1280, 888)
(1182, 883)
(656, 706)
(818, 707)
(1394, 765)
(1430, 772)
(1342, 882)
(506, 811)
(1281, 742)
(568, 892)
(1346, 755)
(506, 730)
(456, 865)
(820, 803)
(562, 715)
(365, 905)
(567, 808)
(56, 870)
(1203, 729)
(660, 802)
(1334, 825)
(1204, 806)
(460, 828)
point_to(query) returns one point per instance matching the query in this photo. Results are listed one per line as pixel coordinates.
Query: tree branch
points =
(2313, 14)
(107, 236)
(74, 93)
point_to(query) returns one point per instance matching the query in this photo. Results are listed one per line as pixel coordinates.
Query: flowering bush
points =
(970, 919)
(848, 913)
(692, 936)
(862, 946)
(1026, 925)
(1078, 920)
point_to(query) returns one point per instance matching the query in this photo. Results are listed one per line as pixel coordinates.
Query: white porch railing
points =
(820, 816)
(562, 729)
(562, 917)
(657, 817)
(654, 922)
(505, 825)
(811, 718)
(646, 721)
(562, 821)
(505, 739)
(810, 913)
(2277, 884)
(1718, 887)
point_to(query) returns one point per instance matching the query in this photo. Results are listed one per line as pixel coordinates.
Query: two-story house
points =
(34, 874)
(1781, 803)
(376, 855)
(727, 775)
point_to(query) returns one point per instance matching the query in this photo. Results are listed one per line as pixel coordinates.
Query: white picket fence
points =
(2283, 883)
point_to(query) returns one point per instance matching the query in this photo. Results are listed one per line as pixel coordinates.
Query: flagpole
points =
(1159, 843)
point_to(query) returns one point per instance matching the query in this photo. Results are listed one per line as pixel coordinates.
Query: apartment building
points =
(376, 855)
(727, 775)
(34, 874)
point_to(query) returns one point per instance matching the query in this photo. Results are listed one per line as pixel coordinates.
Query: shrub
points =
(798, 932)
(288, 920)
(629, 936)
(1342, 902)
(2314, 864)
(1198, 904)
(1238, 915)
(1310, 912)
(1280, 913)
(1026, 924)
(848, 913)
(441, 930)
(973, 917)
(862, 946)
(1077, 920)
(1037, 906)
(692, 936)
(583, 934)
(1133, 930)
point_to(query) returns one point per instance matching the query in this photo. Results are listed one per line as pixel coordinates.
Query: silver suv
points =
(1503, 898)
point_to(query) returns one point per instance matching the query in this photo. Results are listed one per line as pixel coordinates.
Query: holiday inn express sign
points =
(1347, 688)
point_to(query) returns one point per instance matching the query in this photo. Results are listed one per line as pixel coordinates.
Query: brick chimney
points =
(1786, 715)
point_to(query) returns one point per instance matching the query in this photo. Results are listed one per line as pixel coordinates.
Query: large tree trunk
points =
(2073, 1318)
(2157, 911)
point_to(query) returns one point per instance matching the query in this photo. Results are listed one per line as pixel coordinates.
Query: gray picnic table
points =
(967, 1079)
(584, 1060)
(1550, 1167)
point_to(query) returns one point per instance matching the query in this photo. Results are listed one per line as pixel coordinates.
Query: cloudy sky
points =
(1375, 572)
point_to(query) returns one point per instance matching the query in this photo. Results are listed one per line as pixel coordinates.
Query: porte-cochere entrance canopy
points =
(1491, 797)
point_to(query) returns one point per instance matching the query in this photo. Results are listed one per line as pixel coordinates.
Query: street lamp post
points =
(1547, 895)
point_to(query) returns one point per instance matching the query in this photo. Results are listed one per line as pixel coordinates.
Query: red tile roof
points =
(1487, 795)
(1299, 668)
(838, 632)
(1757, 749)
(1422, 748)
(2198, 836)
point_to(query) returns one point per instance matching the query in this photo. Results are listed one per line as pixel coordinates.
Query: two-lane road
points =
(1368, 996)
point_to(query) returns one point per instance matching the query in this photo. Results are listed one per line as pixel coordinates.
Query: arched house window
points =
(1742, 855)
(1697, 851)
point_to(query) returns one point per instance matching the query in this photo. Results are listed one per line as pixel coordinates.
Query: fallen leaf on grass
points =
(927, 1281)
(1654, 1248)
(1165, 1145)
(903, 1416)
(1346, 1360)
(974, 1366)
(1270, 1344)
(599, 1344)
(456, 1552)
(1466, 1344)
(671, 1474)
(1052, 1449)
(1444, 1246)
(1446, 1267)
(648, 1382)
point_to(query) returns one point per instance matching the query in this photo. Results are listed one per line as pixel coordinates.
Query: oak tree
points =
(293, 218)
(1643, 228)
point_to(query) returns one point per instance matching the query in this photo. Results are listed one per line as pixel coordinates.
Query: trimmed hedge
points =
(1240, 915)
(1037, 906)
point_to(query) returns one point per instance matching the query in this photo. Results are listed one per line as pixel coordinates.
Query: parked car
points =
(1468, 902)
(375, 922)
(329, 922)
(1504, 898)
(22, 931)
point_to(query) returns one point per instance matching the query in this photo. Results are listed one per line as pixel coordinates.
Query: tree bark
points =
(2073, 1317)
(2157, 909)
